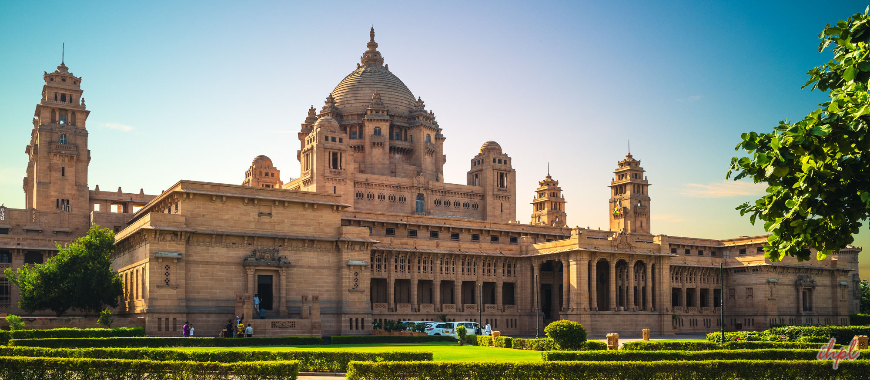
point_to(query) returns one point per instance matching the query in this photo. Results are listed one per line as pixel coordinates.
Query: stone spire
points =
(372, 57)
(312, 116)
(329, 108)
(376, 102)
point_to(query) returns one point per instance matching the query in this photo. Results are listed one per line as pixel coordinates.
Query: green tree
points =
(865, 297)
(78, 277)
(461, 333)
(817, 169)
(106, 318)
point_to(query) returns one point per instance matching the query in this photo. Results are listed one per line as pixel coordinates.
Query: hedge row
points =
(712, 369)
(546, 344)
(15, 368)
(860, 319)
(5, 336)
(165, 342)
(372, 339)
(310, 361)
(811, 334)
(499, 341)
(631, 356)
(665, 345)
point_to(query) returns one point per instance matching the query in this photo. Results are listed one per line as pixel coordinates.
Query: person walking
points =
(257, 303)
(185, 330)
(487, 330)
(249, 332)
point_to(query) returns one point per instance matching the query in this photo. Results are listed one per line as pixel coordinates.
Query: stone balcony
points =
(403, 308)
(427, 308)
(469, 307)
(448, 308)
(490, 308)
(379, 308)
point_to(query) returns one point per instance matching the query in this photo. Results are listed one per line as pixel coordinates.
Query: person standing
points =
(240, 329)
(249, 332)
(185, 330)
(191, 331)
(487, 330)
(257, 303)
(230, 328)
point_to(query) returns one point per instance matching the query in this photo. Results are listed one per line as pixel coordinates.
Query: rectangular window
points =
(673, 250)
(4, 231)
(493, 238)
(700, 252)
(352, 134)
(433, 234)
(688, 251)
(713, 253)
(62, 171)
(454, 236)
(514, 240)
(742, 251)
(390, 231)
(326, 138)
(412, 233)
(341, 140)
(760, 250)
(475, 237)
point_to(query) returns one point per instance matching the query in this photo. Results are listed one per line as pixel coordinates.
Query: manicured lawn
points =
(442, 351)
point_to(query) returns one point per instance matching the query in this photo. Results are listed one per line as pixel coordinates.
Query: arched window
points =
(420, 202)
(62, 139)
(428, 138)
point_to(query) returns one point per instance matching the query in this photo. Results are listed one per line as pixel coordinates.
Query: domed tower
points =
(491, 170)
(57, 171)
(263, 174)
(629, 198)
(389, 130)
(548, 207)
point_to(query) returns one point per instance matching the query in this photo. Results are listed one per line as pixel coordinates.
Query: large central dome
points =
(354, 93)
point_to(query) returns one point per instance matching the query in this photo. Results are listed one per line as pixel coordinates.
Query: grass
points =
(442, 351)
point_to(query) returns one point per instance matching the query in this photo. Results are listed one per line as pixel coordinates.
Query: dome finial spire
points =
(372, 34)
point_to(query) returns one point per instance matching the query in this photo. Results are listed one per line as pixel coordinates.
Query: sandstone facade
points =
(370, 231)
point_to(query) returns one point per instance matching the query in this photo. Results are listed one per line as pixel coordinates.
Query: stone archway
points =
(602, 284)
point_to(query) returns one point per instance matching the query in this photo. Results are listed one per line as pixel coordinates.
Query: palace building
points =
(369, 231)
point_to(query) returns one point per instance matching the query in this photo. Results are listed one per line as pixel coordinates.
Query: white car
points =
(449, 328)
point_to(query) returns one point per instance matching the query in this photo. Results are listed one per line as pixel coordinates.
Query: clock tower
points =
(629, 198)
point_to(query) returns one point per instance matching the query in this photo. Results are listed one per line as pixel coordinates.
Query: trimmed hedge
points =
(115, 369)
(5, 336)
(860, 319)
(549, 345)
(666, 345)
(811, 334)
(312, 361)
(374, 339)
(631, 356)
(504, 342)
(165, 342)
(712, 369)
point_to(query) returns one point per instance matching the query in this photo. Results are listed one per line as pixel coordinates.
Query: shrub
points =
(420, 327)
(712, 369)
(5, 336)
(503, 342)
(662, 345)
(816, 334)
(314, 361)
(592, 345)
(115, 369)
(15, 322)
(461, 332)
(106, 318)
(533, 344)
(773, 345)
(373, 339)
(859, 319)
(165, 342)
(568, 335)
(769, 354)
(482, 340)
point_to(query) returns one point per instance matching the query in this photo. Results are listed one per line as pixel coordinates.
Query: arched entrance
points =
(602, 284)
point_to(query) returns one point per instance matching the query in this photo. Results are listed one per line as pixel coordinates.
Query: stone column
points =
(282, 303)
(684, 295)
(566, 284)
(437, 284)
(580, 300)
(593, 279)
(250, 280)
(648, 284)
(612, 304)
(629, 291)
(536, 277)
(499, 283)
(413, 270)
(391, 283)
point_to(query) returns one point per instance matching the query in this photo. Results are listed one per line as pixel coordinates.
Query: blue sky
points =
(196, 90)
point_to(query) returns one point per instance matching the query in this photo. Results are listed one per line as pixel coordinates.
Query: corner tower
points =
(491, 169)
(548, 207)
(57, 170)
(629, 198)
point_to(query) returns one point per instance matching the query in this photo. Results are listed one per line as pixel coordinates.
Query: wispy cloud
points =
(119, 127)
(667, 218)
(723, 189)
(690, 99)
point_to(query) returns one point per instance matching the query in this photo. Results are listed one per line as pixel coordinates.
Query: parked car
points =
(449, 328)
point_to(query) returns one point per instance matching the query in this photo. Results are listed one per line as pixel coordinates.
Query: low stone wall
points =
(89, 322)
